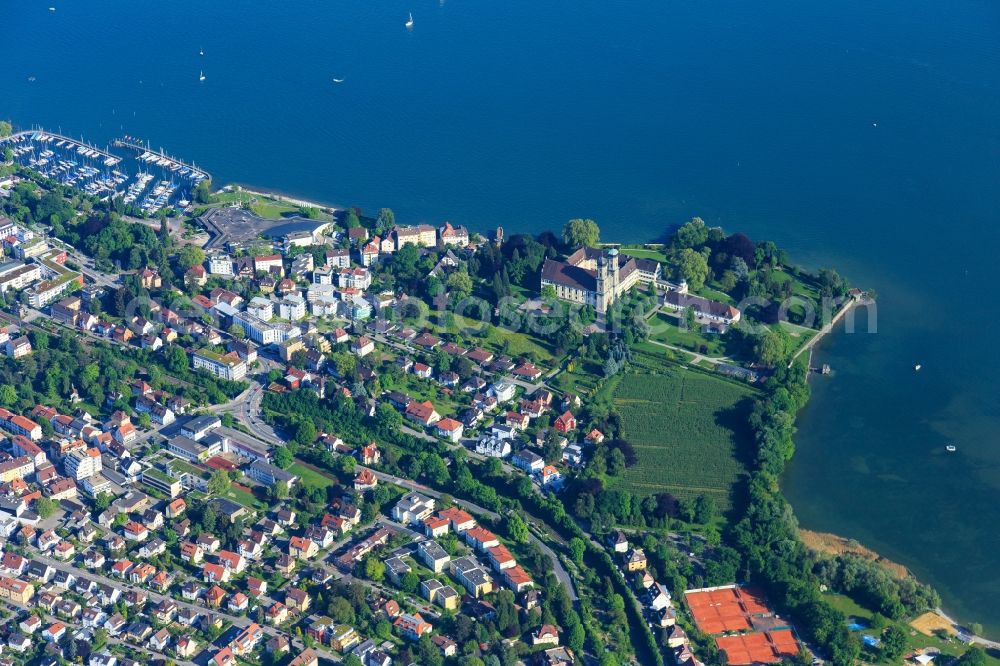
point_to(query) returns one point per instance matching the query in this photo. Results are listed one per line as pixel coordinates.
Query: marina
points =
(158, 181)
(160, 158)
(71, 162)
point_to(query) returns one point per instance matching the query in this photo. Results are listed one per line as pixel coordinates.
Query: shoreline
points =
(830, 544)
(823, 542)
(284, 198)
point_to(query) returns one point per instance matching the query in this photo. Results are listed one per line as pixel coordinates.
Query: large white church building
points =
(597, 277)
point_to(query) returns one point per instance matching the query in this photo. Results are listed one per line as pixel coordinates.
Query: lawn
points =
(266, 207)
(581, 377)
(914, 639)
(310, 477)
(273, 210)
(503, 341)
(665, 328)
(241, 496)
(800, 334)
(655, 255)
(689, 430)
(425, 389)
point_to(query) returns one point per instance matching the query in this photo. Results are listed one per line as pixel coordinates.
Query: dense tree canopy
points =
(581, 233)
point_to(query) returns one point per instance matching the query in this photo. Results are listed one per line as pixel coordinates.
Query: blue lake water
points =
(861, 135)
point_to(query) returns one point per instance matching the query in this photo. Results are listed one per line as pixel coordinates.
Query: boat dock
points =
(40, 137)
(161, 159)
(854, 301)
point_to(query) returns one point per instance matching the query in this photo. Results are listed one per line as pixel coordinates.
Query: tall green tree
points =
(386, 220)
(692, 234)
(581, 232)
(693, 267)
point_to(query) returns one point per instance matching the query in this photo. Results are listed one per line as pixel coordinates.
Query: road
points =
(558, 569)
(155, 597)
(248, 410)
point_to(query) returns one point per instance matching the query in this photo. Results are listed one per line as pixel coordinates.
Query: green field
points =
(500, 340)
(310, 477)
(581, 377)
(264, 206)
(689, 430)
(426, 389)
(665, 328)
(800, 335)
(241, 496)
(655, 255)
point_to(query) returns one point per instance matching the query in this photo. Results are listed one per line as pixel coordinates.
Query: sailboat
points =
(409, 22)
(201, 76)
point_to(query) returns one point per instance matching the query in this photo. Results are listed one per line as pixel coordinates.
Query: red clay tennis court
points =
(718, 611)
(759, 648)
(752, 600)
(784, 642)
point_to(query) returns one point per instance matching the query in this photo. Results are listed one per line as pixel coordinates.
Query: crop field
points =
(689, 431)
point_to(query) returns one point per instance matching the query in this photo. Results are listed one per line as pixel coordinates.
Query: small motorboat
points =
(917, 367)
(409, 22)
(951, 448)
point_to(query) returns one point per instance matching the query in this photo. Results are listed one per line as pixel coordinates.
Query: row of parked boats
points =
(89, 170)
(173, 165)
(41, 138)
(159, 197)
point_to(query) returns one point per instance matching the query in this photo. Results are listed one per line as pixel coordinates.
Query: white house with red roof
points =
(450, 429)
(422, 413)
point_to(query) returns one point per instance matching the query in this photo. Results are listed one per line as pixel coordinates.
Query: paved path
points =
(697, 358)
(825, 330)
(964, 631)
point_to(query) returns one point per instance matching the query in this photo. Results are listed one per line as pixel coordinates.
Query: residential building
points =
(422, 413)
(433, 555)
(679, 300)
(83, 463)
(20, 425)
(412, 626)
(451, 235)
(260, 307)
(263, 332)
(292, 307)
(449, 429)
(422, 234)
(227, 366)
(412, 508)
